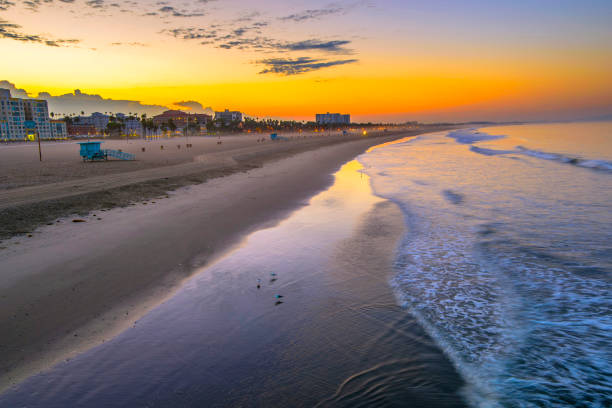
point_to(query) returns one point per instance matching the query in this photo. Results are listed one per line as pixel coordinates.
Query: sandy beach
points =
(72, 285)
(34, 193)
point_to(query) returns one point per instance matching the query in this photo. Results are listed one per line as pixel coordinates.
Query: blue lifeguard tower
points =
(91, 151)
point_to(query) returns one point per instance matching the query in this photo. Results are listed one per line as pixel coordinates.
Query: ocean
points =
(507, 256)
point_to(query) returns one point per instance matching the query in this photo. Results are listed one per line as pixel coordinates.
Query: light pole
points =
(39, 151)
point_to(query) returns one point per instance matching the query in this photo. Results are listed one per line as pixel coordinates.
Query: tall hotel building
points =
(333, 119)
(23, 119)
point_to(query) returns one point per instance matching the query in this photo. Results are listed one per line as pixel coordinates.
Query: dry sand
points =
(73, 285)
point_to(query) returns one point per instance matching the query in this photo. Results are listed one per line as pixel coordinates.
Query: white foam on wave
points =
(469, 136)
(520, 329)
(490, 152)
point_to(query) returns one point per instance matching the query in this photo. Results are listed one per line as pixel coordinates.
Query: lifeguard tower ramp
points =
(119, 155)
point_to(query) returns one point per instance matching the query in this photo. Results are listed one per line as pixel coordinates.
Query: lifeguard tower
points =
(91, 151)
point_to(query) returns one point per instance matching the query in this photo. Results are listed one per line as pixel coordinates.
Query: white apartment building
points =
(228, 116)
(333, 119)
(23, 119)
(96, 119)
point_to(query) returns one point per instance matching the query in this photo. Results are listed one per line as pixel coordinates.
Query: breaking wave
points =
(469, 136)
(602, 165)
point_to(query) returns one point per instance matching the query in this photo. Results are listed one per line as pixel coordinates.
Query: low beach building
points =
(182, 119)
(179, 118)
(23, 119)
(333, 119)
(79, 129)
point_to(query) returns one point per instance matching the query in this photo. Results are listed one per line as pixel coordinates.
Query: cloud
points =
(11, 31)
(239, 38)
(79, 101)
(312, 14)
(328, 46)
(132, 44)
(194, 107)
(171, 11)
(34, 4)
(192, 33)
(288, 66)
(5, 5)
(15, 92)
(97, 4)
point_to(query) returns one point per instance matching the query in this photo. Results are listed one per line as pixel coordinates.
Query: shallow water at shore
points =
(333, 336)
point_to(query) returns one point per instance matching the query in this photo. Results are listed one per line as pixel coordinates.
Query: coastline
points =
(66, 289)
(337, 338)
(35, 194)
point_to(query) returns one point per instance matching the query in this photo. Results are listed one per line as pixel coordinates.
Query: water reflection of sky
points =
(219, 334)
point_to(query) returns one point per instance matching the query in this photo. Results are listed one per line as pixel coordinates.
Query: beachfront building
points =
(182, 119)
(98, 120)
(81, 130)
(131, 124)
(228, 117)
(23, 119)
(333, 119)
(179, 118)
(201, 119)
(59, 130)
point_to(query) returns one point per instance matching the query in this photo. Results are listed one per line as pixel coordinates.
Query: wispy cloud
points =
(312, 14)
(282, 66)
(174, 12)
(327, 46)
(11, 31)
(6, 4)
(96, 4)
(131, 44)
(251, 38)
(192, 33)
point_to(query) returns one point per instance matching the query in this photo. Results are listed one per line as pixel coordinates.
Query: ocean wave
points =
(524, 323)
(490, 152)
(469, 136)
(594, 164)
(503, 314)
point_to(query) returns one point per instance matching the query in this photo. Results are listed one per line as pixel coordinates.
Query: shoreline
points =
(65, 289)
(27, 207)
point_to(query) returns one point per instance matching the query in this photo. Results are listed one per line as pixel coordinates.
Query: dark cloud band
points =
(282, 66)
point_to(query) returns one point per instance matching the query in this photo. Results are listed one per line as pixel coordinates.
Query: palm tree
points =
(143, 121)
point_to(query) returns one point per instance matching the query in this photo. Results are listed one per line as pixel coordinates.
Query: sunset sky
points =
(388, 60)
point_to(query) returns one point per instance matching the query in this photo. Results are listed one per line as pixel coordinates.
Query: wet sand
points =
(74, 285)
